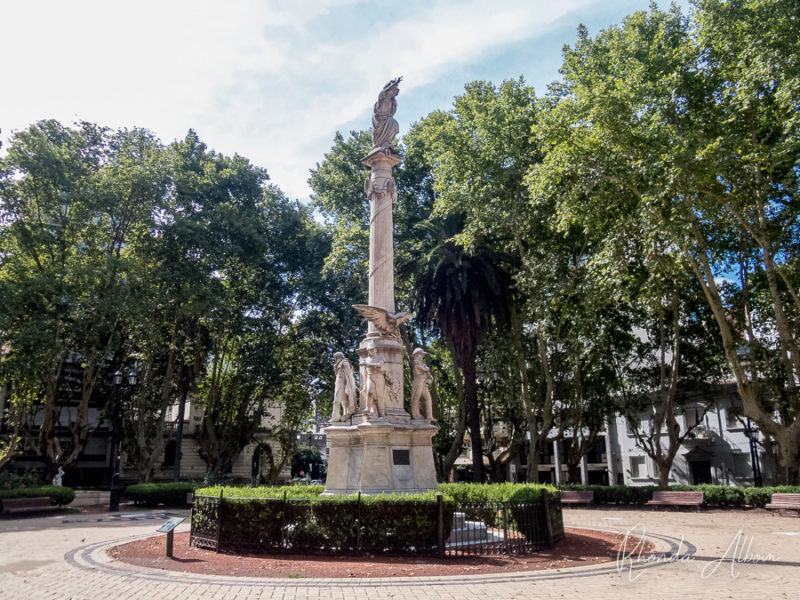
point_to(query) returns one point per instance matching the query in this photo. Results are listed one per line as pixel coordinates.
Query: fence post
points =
(547, 522)
(283, 520)
(358, 522)
(191, 525)
(219, 517)
(440, 524)
(505, 525)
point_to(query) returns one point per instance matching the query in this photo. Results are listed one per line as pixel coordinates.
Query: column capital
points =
(381, 155)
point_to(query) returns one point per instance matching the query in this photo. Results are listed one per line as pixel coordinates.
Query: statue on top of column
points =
(384, 127)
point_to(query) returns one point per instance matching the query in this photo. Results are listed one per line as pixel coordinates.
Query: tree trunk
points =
(787, 437)
(445, 464)
(473, 418)
(535, 448)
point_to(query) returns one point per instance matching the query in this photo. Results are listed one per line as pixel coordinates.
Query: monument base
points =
(376, 456)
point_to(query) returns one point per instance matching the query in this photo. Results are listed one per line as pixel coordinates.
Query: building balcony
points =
(701, 435)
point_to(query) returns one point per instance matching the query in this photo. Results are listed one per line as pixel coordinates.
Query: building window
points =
(732, 421)
(638, 467)
(742, 469)
(694, 416)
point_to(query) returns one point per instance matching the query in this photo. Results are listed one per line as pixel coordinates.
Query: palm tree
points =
(461, 293)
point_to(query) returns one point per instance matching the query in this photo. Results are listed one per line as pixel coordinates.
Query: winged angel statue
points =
(386, 322)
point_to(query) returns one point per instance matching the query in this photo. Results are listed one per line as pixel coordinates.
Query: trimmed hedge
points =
(153, 494)
(59, 496)
(262, 491)
(485, 495)
(494, 492)
(460, 492)
(616, 494)
(258, 519)
(760, 497)
(713, 495)
(716, 495)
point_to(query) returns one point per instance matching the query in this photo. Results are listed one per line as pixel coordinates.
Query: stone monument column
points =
(378, 448)
(380, 191)
(382, 332)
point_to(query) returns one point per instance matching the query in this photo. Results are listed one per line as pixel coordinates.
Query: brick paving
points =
(725, 554)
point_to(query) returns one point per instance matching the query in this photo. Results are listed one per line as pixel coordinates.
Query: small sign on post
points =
(169, 529)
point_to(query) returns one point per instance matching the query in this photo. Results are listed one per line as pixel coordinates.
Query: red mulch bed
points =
(578, 548)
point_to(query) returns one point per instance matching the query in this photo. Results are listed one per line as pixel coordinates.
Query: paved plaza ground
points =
(715, 553)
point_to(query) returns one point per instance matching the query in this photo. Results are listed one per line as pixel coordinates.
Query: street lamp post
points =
(752, 436)
(116, 489)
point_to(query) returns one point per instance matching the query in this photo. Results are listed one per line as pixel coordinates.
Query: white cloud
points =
(272, 81)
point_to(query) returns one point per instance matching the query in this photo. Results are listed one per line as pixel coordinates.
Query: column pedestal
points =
(374, 457)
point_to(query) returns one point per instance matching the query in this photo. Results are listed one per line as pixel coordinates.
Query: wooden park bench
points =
(577, 496)
(784, 502)
(20, 505)
(677, 499)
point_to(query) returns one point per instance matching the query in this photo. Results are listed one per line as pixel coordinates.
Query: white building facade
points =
(723, 448)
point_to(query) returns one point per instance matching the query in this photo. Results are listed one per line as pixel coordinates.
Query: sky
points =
(273, 80)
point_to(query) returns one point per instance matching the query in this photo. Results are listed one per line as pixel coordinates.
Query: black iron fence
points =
(514, 527)
(332, 525)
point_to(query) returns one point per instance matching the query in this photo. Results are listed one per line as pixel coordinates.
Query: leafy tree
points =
(676, 361)
(214, 233)
(482, 150)
(178, 263)
(72, 201)
(338, 195)
(308, 461)
(680, 136)
(12, 419)
(462, 294)
(262, 305)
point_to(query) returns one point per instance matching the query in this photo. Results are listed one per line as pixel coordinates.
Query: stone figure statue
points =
(344, 394)
(386, 322)
(376, 384)
(419, 386)
(384, 127)
(58, 478)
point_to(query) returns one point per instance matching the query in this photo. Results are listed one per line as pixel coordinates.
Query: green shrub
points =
(760, 497)
(716, 495)
(616, 494)
(28, 479)
(263, 491)
(60, 496)
(397, 524)
(248, 522)
(258, 519)
(494, 492)
(153, 494)
(530, 516)
(713, 495)
(324, 523)
(483, 495)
